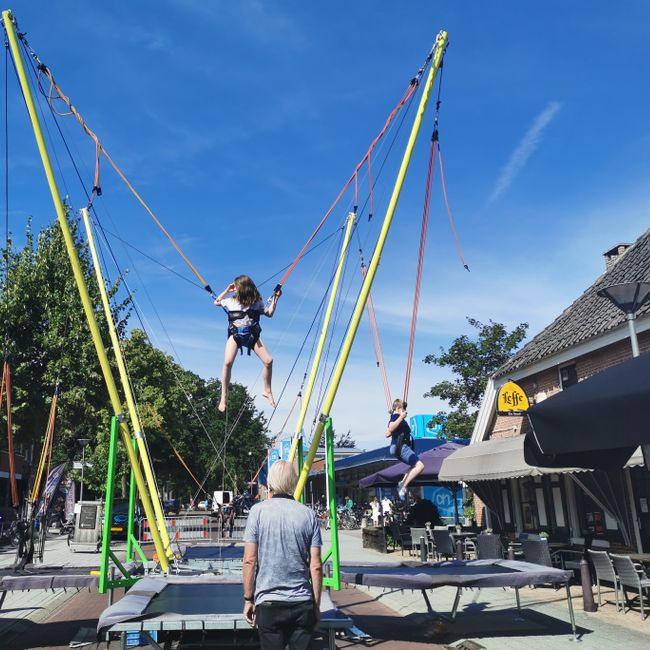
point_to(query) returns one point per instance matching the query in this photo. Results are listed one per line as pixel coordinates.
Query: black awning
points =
(597, 423)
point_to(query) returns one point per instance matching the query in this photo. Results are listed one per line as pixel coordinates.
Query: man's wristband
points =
(249, 600)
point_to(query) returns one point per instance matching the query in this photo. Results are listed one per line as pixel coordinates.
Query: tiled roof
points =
(590, 315)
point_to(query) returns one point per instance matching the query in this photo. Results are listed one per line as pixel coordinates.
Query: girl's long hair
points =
(247, 293)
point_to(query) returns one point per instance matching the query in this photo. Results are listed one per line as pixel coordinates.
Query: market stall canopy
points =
(497, 459)
(432, 461)
(595, 424)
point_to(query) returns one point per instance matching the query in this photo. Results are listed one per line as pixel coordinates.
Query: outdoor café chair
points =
(536, 552)
(605, 572)
(631, 576)
(416, 535)
(489, 547)
(402, 537)
(444, 543)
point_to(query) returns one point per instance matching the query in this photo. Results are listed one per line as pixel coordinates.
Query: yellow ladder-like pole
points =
(81, 286)
(441, 44)
(126, 386)
(323, 336)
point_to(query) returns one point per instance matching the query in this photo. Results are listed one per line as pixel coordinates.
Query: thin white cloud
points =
(523, 151)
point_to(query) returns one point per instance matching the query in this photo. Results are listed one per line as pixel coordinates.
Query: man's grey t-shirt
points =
(284, 531)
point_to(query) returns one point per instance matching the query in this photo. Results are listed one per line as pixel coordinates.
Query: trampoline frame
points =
(544, 575)
(332, 620)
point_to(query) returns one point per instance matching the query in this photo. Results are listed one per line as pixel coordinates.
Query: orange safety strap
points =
(183, 463)
(99, 149)
(5, 389)
(376, 343)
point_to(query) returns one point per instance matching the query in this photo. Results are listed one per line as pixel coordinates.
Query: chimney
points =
(614, 254)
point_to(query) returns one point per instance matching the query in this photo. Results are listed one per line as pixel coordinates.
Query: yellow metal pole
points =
(81, 286)
(126, 387)
(323, 336)
(441, 44)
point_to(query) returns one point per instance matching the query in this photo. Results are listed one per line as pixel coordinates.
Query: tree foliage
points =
(472, 362)
(345, 440)
(49, 340)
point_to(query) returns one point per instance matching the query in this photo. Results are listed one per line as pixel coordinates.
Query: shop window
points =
(568, 376)
(528, 499)
(558, 508)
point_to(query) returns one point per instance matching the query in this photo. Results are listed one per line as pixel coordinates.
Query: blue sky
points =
(239, 122)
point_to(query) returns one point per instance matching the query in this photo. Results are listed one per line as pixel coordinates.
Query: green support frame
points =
(106, 581)
(333, 580)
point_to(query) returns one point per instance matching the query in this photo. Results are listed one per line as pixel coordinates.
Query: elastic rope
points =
(376, 342)
(6, 383)
(99, 149)
(418, 276)
(409, 92)
(451, 220)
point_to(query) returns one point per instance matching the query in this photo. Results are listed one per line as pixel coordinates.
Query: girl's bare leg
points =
(262, 352)
(416, 470)
(229, 357)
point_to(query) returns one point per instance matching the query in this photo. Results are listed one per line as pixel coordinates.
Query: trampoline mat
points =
(457, 573)
(173, 601)
(201, 599)
(213, 552)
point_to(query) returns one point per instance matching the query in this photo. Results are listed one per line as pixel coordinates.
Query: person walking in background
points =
(282, 551)
(375, 506)
(387, 509)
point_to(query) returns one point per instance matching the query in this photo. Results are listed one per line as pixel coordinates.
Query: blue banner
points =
(285, 447)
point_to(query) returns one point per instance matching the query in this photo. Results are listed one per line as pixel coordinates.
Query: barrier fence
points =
(229, 528)
(182, 528)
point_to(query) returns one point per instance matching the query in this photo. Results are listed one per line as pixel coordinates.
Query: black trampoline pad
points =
(192, 600)
(457, 573)
(230, 552)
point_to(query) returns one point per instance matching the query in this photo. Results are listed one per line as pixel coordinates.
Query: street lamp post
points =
(629, 297)
(83, 442)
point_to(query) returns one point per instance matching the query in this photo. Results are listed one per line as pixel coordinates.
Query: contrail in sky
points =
(523, 151)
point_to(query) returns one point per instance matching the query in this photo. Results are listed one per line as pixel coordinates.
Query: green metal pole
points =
(130, 525)
(108, 506)
(333, 581)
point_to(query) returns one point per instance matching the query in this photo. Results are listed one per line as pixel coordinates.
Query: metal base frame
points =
(451, 617)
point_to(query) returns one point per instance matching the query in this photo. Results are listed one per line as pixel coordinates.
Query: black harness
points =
(403, 439)
(248, 336)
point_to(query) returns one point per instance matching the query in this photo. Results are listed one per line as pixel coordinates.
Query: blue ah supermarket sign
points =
(443, 499)
(274, 456)
(420, 428)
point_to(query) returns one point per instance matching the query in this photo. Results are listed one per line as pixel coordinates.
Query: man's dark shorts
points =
(280, 623)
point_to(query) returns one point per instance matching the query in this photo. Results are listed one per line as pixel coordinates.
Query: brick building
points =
(587, 337)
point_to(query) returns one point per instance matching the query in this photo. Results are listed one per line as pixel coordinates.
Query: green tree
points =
(472, 362)
(48, 341)
(345, 440)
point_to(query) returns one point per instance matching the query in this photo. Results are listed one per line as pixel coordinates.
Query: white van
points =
(221, 498)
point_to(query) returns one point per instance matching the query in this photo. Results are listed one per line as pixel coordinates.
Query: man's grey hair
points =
(282, 477)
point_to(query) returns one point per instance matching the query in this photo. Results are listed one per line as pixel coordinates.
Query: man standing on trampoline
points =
(282, 545)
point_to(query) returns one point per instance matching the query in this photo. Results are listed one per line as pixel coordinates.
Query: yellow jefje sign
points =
(511, 399)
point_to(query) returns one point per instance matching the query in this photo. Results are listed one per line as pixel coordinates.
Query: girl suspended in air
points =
(244, 309)
(401, 442)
